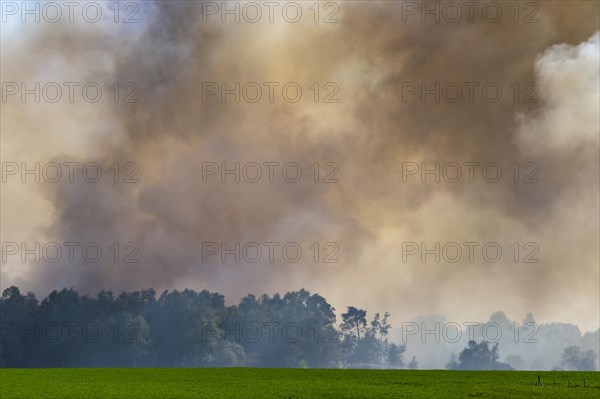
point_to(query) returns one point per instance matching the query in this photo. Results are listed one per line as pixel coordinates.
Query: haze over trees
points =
(573, 358)
(523, 344)
(299, 329)
(188, 329)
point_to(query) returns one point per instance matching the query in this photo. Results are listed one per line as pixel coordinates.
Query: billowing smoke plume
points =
(377, 55)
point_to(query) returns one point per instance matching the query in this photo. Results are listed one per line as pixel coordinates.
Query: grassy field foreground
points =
(292, 383)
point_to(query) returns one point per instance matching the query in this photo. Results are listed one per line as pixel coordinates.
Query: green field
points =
(292, 383)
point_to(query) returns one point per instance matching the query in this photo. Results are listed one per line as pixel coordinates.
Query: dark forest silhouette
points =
(188, 329)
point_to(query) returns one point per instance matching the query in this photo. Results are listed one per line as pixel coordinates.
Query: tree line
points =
(196, 329)
(189, 329)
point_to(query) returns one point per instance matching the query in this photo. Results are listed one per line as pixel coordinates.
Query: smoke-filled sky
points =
(375, 126)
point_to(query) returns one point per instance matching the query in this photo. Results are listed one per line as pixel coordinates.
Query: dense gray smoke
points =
(369, 201)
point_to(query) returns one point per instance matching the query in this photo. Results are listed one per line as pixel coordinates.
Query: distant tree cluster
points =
(573, 358)
(372, 349)
(188, 329)
(478, 356)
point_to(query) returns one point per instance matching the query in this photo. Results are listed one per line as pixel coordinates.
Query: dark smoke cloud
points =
(371, 53)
